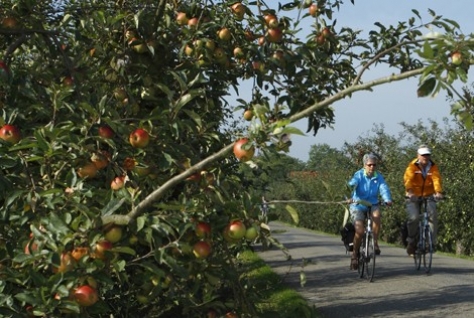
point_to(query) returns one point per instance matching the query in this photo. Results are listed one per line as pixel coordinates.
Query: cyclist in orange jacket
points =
(422, 178)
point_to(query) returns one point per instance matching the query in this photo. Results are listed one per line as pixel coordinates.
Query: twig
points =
(304, 202)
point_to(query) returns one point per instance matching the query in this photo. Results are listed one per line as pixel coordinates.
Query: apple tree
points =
(119, 193)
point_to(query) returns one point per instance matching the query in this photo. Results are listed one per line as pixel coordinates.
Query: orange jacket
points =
(415, 182)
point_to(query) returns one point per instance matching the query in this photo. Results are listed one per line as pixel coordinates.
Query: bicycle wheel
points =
(370, 257)
(428, 249)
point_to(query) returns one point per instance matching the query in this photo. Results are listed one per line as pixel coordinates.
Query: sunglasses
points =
(371, 165)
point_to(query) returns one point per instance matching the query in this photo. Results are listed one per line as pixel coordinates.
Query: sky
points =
(388, 104)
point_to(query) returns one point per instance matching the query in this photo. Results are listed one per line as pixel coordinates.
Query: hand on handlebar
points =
(438, 196)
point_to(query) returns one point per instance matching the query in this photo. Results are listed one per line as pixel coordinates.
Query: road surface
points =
(398, 289)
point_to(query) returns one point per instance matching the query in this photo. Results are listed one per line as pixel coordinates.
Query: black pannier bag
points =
(347, 236)
(404, 233)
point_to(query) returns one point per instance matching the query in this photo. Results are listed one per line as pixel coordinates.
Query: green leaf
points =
(302, 278)
(426, 87)
(112, 206)
(41, 141)
(140, 223)
(293, 214)
(125, 250)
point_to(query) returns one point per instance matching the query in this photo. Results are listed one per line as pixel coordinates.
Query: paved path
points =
(398, 290)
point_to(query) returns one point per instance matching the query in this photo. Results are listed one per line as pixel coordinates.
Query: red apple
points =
(203, 229)
(456, 58)
(10, 134)
(106, 131)
(273, 23)
(239, 10)
(202, 249)
(66, 263)
(101, 248)
(117, 183)
(139, 138)
(237, 229)
(100, 159)
(114, 234)
(270, 17)
(79, 252)
(313, 10)
(248, 115)
(320, 39)
(274, 35)
(9, 22)
(193, 22)
(326, 32)
(85, 295)
(129, 164)
(68, 81)
(243, 150)
(249, 35)
(181, 18)
(89, 170)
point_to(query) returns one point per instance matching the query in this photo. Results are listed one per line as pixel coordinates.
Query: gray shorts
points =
(360, 215)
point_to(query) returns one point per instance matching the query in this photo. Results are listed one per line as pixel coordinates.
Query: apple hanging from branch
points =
(243, 150)
(139, 138)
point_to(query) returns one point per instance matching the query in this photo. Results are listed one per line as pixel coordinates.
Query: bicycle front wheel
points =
(428, 249)
(369, 257)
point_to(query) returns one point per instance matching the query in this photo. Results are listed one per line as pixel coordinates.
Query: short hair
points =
(370, 156)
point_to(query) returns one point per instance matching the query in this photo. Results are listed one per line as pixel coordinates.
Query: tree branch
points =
(157, 194)
(354, 88)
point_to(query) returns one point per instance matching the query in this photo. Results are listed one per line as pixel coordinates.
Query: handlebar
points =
(367, 203)
(427, 198)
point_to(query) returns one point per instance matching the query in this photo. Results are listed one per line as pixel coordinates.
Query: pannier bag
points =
(404, 233)
(347, 236)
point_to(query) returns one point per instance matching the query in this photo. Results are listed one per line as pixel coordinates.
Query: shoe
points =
(354, 262)
(411, 250)
(377, 249)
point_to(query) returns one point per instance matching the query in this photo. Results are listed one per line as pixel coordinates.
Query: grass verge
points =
(274, 299)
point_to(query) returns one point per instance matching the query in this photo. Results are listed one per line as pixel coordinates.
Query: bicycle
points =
(367, 247)
(424, 238)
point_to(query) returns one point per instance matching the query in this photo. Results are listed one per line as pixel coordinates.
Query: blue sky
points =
(387, 104)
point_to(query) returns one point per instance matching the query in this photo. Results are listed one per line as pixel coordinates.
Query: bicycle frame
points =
(367, 247)
(424, 248)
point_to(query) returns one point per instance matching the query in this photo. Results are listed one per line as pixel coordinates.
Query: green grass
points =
(273, 298)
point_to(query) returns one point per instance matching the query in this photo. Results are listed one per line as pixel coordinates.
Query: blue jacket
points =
(369, 189)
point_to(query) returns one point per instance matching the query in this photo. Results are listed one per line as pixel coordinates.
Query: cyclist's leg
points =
(433, 220)
(376, 226)
(357, 218)
(412, 224)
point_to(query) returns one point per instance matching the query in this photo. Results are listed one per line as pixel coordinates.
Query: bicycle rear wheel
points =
(369, 257)
(428, 249)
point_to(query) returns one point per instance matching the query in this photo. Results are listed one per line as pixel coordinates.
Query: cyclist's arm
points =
(436, 180)
(408, 180)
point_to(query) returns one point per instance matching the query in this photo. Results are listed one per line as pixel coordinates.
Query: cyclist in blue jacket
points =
(368, 185)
